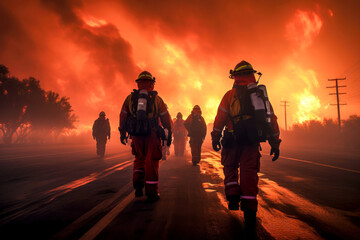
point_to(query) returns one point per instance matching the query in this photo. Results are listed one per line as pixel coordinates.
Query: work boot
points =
(233, 202)
(139, 192)
(250, 224)
(233, 205)
(153, 197)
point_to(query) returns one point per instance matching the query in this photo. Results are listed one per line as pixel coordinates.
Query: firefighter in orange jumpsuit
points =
(237, 114)
(196, 127)
(100, 132)
(179, 135)
(140, 117)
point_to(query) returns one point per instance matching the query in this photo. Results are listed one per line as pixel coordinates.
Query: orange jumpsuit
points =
(179, 137)
(196, 126)
(243, 154)
(147, 149)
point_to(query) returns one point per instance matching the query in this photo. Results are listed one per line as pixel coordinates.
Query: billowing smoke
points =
(92, 51)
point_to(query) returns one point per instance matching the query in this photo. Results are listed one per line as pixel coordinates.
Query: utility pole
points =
(285, 105)
(337, 96)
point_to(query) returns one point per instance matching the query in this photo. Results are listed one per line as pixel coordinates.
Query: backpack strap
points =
(246, 107)
(134, 101)
(151, 102)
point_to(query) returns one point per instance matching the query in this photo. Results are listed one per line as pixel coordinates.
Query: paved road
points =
(65, 192)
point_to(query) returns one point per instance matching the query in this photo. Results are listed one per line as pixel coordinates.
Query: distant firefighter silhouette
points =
(248, 118)
(180, 135)
(140, 117)
(196, 127)
(100, 132)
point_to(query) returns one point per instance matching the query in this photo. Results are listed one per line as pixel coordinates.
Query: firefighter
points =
(180, 135)
(196, 127)
(246, 125)
(100, 132)
(140, 117)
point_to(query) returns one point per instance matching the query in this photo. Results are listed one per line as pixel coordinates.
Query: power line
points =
(337, 97)
(285, 105)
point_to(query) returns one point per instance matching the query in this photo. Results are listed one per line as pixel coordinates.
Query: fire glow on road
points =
(47, 197)
(273, 198)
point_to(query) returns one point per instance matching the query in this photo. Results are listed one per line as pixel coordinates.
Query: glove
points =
(216, 145)
(275, 144)
(169, 139)
(276, 152)
(123, 138)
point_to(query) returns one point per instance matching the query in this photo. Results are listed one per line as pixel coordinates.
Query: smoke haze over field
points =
(92, 51)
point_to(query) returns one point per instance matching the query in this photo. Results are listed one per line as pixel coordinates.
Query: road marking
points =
(319, 164)
(300, 160)
(103, 206)
(108, 218)
(54, 154)
(88, 179)
(52, 194)
(100, 226)
(44, 155)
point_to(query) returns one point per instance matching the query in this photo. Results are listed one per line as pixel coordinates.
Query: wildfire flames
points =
(308, 106)
(93, 51)
(303, 28)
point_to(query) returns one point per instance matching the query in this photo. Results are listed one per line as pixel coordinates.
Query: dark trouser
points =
(100, 146)
(147, 151)
(248, 157)
(195, 145)
(179, 145)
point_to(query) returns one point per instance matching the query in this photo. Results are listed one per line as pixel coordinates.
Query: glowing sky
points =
(92, 51)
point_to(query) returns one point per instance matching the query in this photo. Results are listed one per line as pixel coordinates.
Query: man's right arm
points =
(124, 113)
(221, 118)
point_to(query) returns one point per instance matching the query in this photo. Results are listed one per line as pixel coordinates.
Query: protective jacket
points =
(101, 128)
(228, 113)
(195, 125)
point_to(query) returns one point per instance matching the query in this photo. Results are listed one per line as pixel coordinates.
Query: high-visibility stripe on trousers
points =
(147, 151)
(248, 158)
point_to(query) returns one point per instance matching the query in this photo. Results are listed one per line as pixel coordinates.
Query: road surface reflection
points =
(282, 213)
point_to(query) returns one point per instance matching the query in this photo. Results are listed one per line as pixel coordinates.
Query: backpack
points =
(142, 105)
(253, 122)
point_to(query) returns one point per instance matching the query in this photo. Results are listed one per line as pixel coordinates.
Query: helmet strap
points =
(260, 74)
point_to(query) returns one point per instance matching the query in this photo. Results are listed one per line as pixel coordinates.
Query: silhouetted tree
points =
(351, 130)
(25, 107)
(4, 70)
(315, 133)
